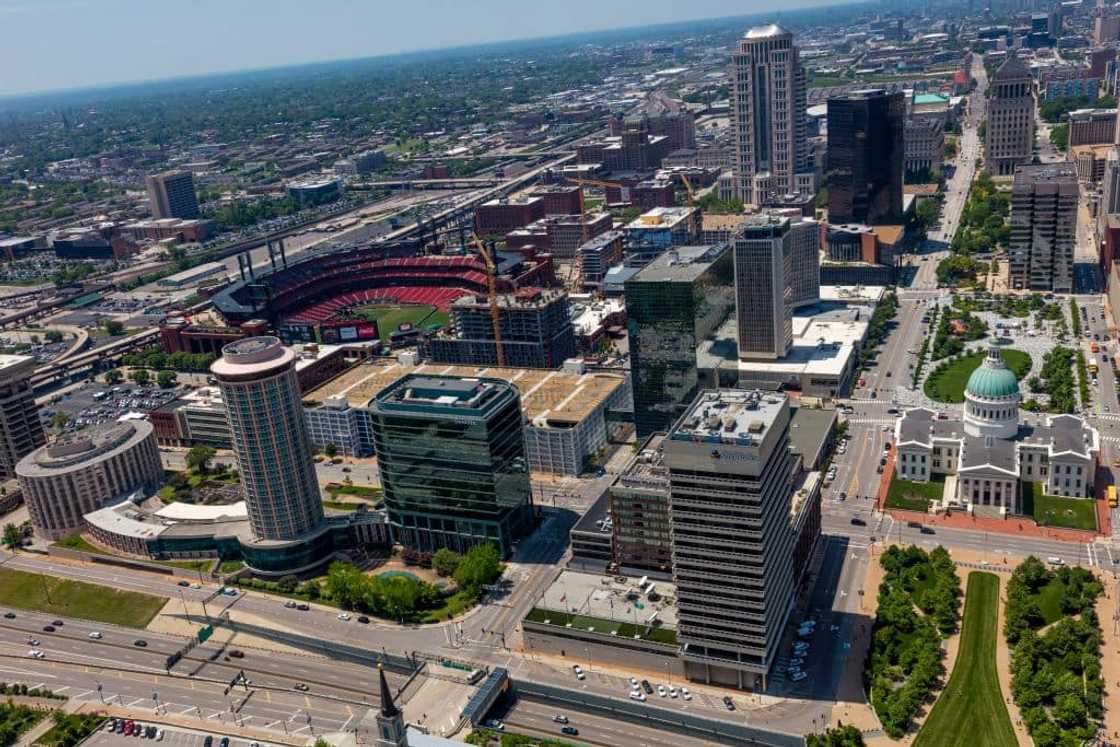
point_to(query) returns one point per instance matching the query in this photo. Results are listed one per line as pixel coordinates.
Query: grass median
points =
(971, 710)
(58, 596)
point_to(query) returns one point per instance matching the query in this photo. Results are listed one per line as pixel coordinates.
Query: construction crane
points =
(492, 297)
(691, 191)
(583, 215)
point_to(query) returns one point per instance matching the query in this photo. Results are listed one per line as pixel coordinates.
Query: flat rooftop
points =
(648, 468)
(547, 396)
(733, 416)
(659, 218)
(682, 264)
(868, 294)
(607, 598)
(823, 342)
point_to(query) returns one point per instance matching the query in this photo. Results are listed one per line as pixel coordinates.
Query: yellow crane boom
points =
(492, 297)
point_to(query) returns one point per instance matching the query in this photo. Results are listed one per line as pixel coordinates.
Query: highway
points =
(535, 719)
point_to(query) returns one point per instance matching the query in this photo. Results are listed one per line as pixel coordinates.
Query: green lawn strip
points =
(70, 729)
(1057, 511)
(971, 709)
(361, 491)
(81, 544)
(914, 496)
(599, 625)
(390, 318)
(487, 737)
(59, 596)
(344, 505)
(946, 383)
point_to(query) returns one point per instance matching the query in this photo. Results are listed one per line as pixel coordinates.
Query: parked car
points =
(728, 703)
(637, 695)
(647, 687)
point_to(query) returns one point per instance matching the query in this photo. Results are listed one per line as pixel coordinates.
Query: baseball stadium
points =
(388, 290)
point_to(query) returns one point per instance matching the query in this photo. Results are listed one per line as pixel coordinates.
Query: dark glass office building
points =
(866, 157)
(452, 458)
(672, 305)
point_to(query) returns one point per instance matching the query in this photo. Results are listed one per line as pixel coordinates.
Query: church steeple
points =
(390, 721)
(388, 707)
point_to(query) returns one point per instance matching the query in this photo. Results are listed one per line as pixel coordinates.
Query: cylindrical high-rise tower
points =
(258, 380)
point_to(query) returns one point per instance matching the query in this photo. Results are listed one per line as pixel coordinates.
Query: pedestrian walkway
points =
(1015, 526)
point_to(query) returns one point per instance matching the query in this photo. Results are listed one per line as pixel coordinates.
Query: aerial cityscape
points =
(740, 381)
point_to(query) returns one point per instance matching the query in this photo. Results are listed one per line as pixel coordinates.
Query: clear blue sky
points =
(50, 44)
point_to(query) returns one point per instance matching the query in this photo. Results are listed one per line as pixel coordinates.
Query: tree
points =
(13, 537)
(113, 376)
(1059, 136)
(112, 327)
(166, 379)
(446, 561)
(60, 419)
(480, 566)
(53, 335)
(330, 450)
(841, 736)
(198, 458)
(140, 376)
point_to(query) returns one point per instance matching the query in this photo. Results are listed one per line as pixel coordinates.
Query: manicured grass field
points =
(1055, 511)
(914, 496)
(947, 385)
(971, 710)
(41, 593)
(389, 318)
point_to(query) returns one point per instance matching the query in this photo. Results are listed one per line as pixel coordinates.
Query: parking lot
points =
(100, 403)
(175, 736)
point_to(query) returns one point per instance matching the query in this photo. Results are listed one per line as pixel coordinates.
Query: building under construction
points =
(535, 330)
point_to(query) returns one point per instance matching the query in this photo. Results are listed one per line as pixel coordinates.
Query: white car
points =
(579, 672)
(661, 691)
(95, 635)
(798, 676)
(686, 694)
(796, 662)
(634, 682)
(637, 695)
(673, 691)
(36, 654)
(343, 616)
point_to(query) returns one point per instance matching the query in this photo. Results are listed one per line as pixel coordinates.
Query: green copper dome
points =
(993, 379)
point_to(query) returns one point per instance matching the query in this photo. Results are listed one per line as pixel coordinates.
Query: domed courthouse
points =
(986, 456)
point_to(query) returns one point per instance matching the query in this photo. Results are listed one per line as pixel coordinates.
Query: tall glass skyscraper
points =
(452, 458)
(672, 305)
(866, 157)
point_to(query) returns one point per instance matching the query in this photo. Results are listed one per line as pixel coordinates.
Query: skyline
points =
(121, 42)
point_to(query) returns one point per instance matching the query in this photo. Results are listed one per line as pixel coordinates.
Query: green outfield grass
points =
(971, 710)
(389, 318)
(33, 591)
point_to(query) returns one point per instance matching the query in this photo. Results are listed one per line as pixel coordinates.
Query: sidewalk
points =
(1013, 526)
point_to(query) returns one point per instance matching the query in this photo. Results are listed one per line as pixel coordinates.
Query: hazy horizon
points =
(118, 42)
